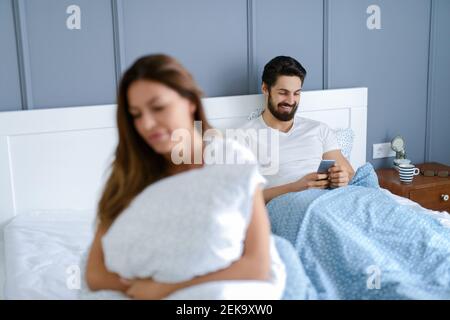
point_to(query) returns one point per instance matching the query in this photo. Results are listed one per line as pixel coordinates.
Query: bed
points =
(53, 164)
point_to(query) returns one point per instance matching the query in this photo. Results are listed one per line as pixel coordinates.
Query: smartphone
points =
(325, 165)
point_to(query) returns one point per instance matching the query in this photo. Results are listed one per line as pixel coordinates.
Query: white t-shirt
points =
(300, 149)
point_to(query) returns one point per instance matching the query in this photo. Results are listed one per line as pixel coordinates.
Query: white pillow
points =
(184, 226)
(345, 138)
(255, 113)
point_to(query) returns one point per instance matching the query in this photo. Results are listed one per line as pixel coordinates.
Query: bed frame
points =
(57, 159)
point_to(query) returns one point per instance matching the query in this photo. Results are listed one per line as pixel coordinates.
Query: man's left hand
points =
(338, 176)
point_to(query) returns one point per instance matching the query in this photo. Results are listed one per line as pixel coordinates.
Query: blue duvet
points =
(358, 243)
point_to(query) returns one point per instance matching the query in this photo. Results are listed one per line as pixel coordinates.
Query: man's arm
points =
(310, 181)
(340, 175)
(274, 192)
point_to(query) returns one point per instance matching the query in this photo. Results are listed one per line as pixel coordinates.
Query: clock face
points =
(398, 144)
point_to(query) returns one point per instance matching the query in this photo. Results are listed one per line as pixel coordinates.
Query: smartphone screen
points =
(325, 165)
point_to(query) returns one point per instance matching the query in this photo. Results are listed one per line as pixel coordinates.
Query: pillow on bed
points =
(255, 114)
(345, 138)
(186, 225)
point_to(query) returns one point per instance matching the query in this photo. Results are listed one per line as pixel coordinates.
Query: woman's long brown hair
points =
(136, 164)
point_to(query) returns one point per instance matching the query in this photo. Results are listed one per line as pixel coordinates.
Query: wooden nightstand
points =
(429, 192)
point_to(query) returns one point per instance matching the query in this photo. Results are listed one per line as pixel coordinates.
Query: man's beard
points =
(282, 116)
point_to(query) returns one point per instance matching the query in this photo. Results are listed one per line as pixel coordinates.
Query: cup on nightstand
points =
(407, 172)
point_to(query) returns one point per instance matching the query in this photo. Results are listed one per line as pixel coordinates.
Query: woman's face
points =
(157, 111)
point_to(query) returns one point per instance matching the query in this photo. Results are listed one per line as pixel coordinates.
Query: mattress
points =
(42, 254)
(43, 250)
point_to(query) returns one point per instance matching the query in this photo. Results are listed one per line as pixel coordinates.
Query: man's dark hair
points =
(282, 66)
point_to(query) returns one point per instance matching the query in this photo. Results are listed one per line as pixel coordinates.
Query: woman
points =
(156, 97)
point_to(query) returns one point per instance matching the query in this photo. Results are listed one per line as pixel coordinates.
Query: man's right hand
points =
(311, 181)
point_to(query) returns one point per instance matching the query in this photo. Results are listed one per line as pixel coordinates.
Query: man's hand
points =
(338, 176)
(148, 289)
(311, 181)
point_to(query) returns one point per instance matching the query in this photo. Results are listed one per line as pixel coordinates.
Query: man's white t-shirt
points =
(300, 149)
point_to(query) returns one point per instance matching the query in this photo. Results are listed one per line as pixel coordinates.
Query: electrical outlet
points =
(383, 150)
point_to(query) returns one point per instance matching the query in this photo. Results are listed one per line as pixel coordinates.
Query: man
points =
(303, 143)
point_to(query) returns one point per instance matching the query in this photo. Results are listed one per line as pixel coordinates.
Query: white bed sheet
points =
(2, 269)
(42, 254)
(43, 251)
(442, 216)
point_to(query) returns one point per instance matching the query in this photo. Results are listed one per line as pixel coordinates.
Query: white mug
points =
(407, 172)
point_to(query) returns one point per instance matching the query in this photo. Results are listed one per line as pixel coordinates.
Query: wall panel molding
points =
(325, 69)
(23, 54)
(119, 46)
(430, 85)
(252, 67)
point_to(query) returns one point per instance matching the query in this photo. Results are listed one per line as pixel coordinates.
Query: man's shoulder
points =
(310, 123)
(253, 124)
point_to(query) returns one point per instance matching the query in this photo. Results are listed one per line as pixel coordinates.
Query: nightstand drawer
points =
(432, 198)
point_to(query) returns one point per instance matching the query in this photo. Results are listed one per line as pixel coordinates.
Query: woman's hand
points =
(148, 289)
(338, 176)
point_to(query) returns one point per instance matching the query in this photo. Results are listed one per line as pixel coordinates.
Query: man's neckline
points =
(287, 133)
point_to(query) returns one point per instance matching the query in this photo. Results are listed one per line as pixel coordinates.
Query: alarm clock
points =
(398, 145)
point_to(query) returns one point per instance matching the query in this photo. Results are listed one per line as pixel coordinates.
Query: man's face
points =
(284, 97)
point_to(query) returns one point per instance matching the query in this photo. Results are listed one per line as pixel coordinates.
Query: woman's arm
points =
(97, 276)
(253, 265)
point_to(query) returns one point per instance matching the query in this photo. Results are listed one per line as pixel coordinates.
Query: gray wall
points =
(10, 98)
(392, 62)
(438, 144)
(68, 67)
(225, 44)
(208, 37)
(302, 39)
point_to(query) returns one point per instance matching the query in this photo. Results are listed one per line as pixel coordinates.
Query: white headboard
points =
(56, 159)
